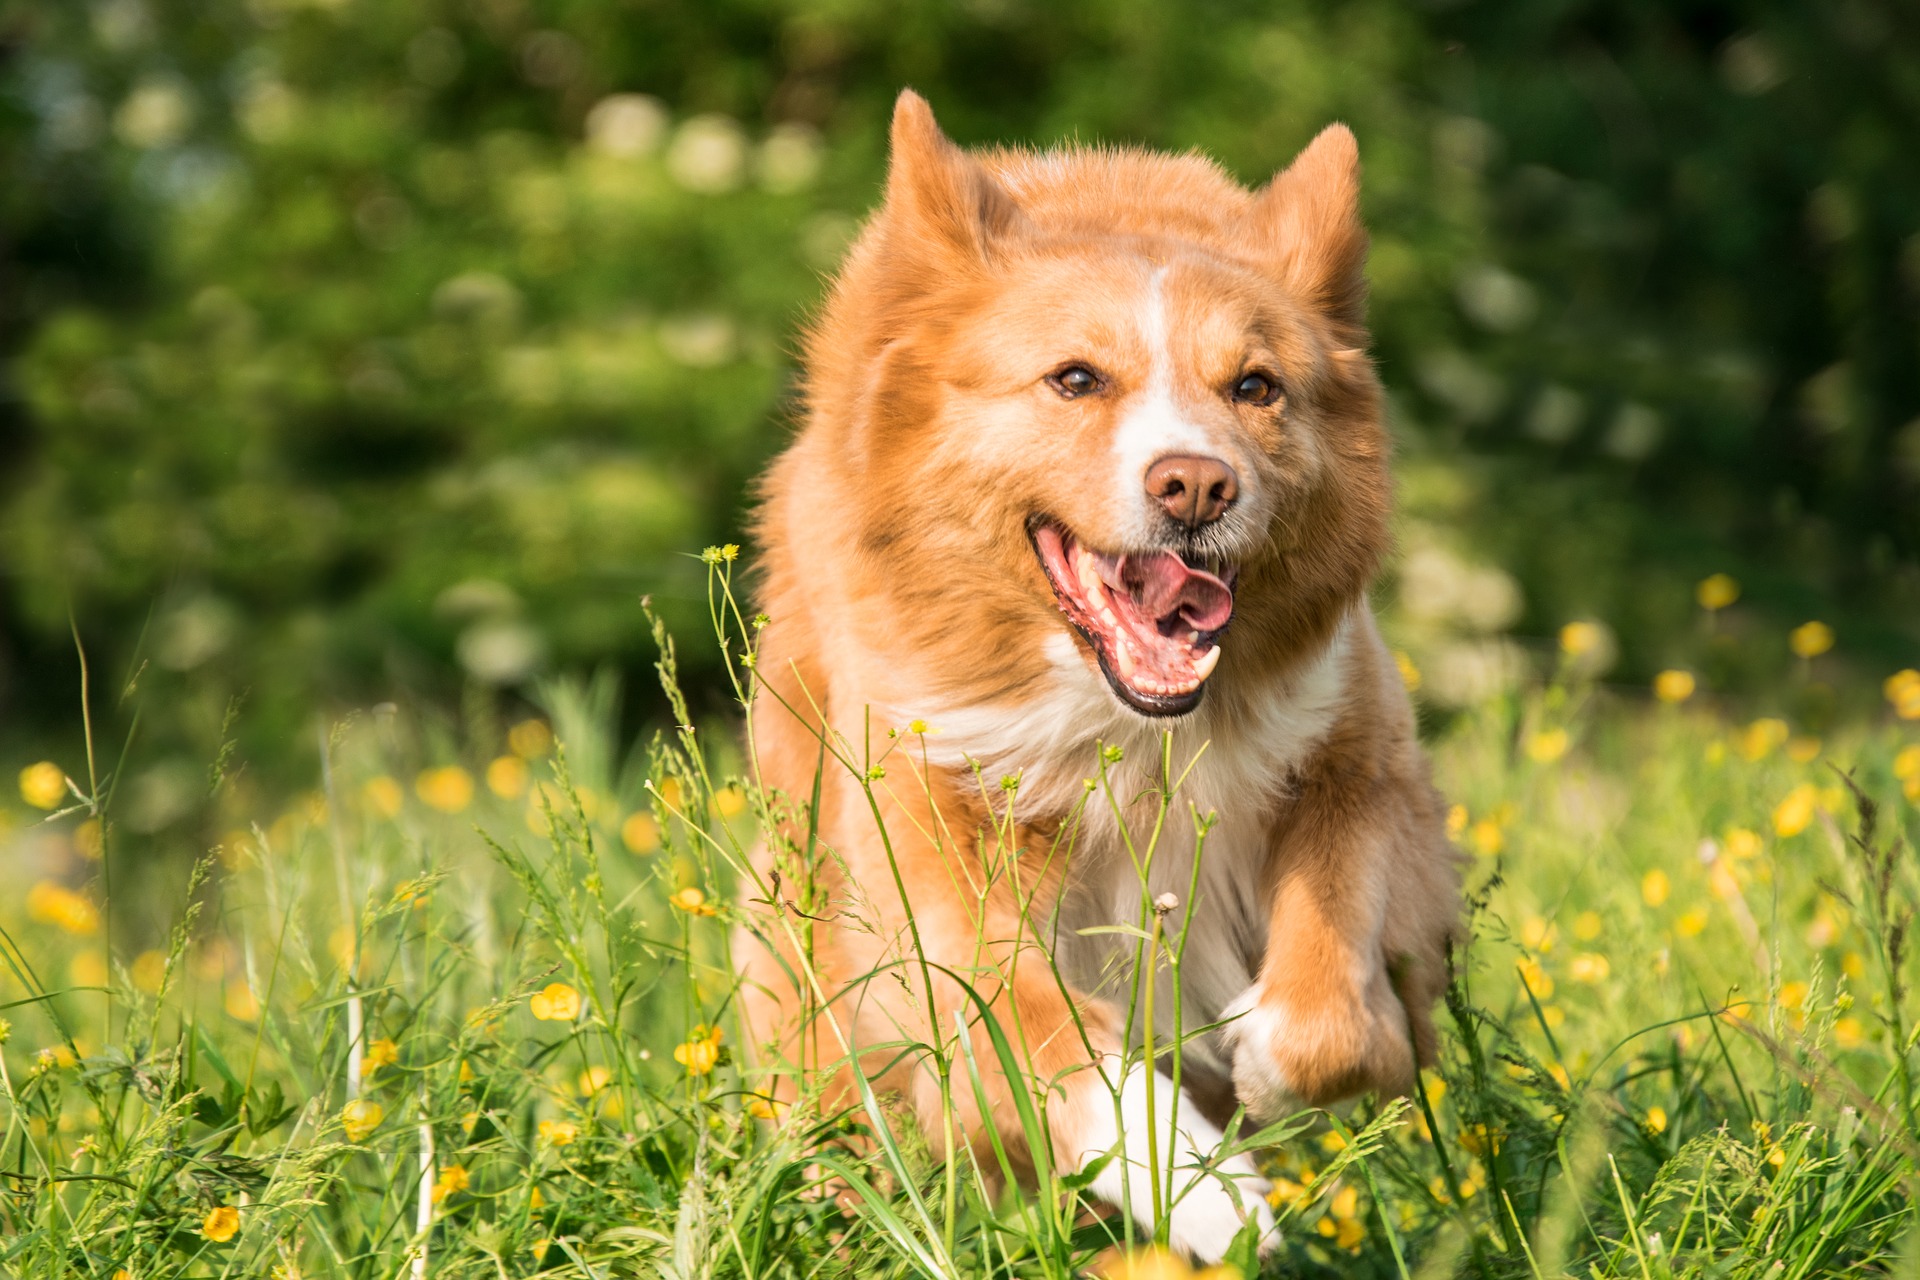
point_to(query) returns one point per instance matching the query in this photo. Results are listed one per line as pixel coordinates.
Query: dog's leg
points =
(1323, 1020)
(1207, 1198)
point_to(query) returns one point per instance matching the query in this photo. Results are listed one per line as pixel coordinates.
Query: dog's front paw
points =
(1286, 1059)
(1207, 1197)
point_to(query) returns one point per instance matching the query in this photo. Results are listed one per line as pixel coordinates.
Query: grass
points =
(483, 1023)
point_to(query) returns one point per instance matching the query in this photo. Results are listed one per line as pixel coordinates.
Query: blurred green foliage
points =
(363, 346)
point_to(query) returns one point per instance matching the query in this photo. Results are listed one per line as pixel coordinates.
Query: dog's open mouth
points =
(1154, 620)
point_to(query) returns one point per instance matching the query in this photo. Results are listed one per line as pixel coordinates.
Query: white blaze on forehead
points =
(1153, 426)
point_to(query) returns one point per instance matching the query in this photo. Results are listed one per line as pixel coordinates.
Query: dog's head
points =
(1110, 394)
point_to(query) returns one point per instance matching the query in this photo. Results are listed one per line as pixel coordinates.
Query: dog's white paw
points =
(1211, 1198)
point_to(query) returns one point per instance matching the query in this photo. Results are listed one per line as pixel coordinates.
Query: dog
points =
(1093, 451)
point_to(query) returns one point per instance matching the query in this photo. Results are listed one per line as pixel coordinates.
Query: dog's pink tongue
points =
(1164, 585)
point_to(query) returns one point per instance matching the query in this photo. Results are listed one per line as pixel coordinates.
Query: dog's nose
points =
(1192, 489)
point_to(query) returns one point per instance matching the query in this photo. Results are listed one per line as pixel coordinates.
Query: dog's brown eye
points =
(1073, 381)
(1256, 388)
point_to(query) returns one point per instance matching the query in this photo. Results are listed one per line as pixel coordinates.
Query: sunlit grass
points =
(477, 1016)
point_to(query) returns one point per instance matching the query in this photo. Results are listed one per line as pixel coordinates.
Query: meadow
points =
(466, 1007)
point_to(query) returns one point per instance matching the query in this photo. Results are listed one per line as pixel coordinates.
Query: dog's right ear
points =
(940, 202)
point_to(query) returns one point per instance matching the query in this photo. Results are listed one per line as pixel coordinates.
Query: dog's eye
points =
(1074, 381)
(1256, 388)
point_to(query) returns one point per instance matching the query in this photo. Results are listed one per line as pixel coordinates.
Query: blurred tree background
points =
(370, 349)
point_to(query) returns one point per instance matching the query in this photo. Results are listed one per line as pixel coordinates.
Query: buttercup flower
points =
(381, 1053)
(1795, 813)
(452, 1178)
(1654, 887)
(1716, 592)
(558, 1133)
(1656, 1120)
(556, 1002)
(43, 785)
(448, 789)
(221, 1224)
(640, 833)
(701, 1053)
(360, 1118)
(693, 902)
(1810, 639)
(1903, 691)
(1673, 686)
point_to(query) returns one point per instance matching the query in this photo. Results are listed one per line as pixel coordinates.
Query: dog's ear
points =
(1306, 223)
(940, 201)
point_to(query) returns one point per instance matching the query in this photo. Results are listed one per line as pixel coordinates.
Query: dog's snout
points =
(1192, 489)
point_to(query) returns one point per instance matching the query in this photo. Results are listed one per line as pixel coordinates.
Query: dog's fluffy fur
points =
(942, 542)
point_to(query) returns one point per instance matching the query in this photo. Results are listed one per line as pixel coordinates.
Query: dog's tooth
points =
(1204, 664)
(1193, 637)
(1123, 656)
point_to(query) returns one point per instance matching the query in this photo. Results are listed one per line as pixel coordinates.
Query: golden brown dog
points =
(1094, 451)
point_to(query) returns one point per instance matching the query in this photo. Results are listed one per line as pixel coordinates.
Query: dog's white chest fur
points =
(1248, 740)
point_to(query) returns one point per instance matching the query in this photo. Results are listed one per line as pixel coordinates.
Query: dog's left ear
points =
(1306, 222)
(940, 200)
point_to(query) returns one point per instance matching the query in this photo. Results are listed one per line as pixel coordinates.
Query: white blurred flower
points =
(790, 157)
(626, 125)
(157, 113)
(708, 154)
(700, 341)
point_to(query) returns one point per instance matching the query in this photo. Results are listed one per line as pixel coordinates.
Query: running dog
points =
(1093, 450)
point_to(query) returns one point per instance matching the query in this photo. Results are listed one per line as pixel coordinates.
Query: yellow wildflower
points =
(1673, 686)
(1906, 768)
(558, 1133)
(54, 904)
(669, 790)
(1345, 1202)
(761, 1107)
(507, 777)
(221, 1224)
(1538, 980)
(89, 841)
(1456, 821)
(1762, 736)
(701, 1053)
(448, 788)
(640, 833)
(381, 1053)
(1810, 639)
(530, 739)
(1716, 592)
(1287, 1193)
(729, 802)
(1577, 639)
(1148, 1263)
(1903, 691)
(1586, 926)
(383, 796)
(593, 1080)
(360, 1118)
(1488, 838)
(1547, 745)
(1692, 923)
(240, 1001)
(1479, 1140)
(1409, 673)
(1804, 749)
(1539, 934)
(556, 1002)
(1854, 965)
(1589, 967)
(1656, 1119)
(1742, 845)
(149, 970)
(1849, 1033)
(693, 902)
(43, 785)
(453, 1178)
(1795, 813)
(1654, 887)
